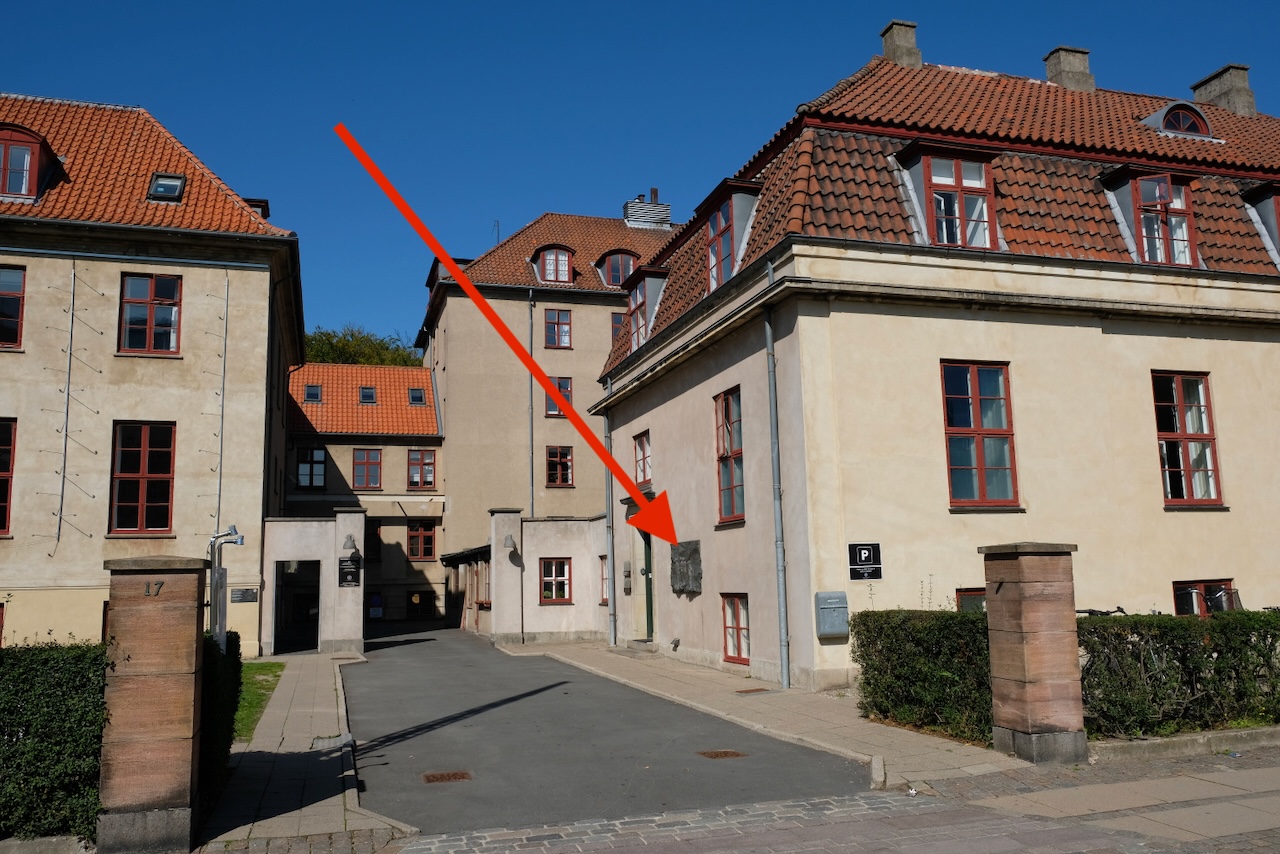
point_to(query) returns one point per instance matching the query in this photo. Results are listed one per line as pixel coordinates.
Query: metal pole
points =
(608, 529)
(779, 541)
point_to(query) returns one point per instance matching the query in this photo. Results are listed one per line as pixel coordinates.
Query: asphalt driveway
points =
(546, 743)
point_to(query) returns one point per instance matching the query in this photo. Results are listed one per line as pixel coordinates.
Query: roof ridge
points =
(209, 173)
(40, 99)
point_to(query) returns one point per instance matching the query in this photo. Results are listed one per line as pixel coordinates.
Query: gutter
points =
(775, 459)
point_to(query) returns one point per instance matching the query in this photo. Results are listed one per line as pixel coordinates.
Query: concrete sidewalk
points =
(897, 756)
(296, 779)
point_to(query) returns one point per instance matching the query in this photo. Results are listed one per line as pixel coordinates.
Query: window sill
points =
(555, 415)
(139, 535)
(1196, 508)
(559, 486)
(420, 490)
(130, 354)
(422, 560)
(374, 489)
(728, 524)
(12, 350)
(6, 536)
(742, 661)
(485, 605)
(554, 602)
(557, 348)
(995, 508)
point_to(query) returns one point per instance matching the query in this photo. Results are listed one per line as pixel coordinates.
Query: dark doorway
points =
(297, 605)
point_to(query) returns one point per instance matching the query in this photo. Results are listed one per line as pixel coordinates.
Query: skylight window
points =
(166, 188)
(311, 394)
(368, 394)
(417, 397)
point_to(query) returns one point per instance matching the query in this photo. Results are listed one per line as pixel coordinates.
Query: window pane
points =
(1184, 601)
(959, 412)
(157, 517)
(964, 484)
(128, 461)
(1179, 196)
(1163, 386)
(993, 415)
(137, 288)
(944, 170)
(1192, 390)
(975, 215)
(999, 484)
(1180, 243)
(19, 168)
(127, 491)
(973, 174)
(1166, 418)
(960, 452)
(1154, 190)
(159, 462)
(166, 288)
(1171, 461)
(161, 436)
(955, 379)
(995, 451)
(10, 281)
(1216, 597)
(158, 492)
(1152, 238)
(1202, 480)
(126, 517)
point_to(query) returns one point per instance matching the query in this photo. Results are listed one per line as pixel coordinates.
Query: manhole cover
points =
(721, 754)
(446, 776)
(752, 691)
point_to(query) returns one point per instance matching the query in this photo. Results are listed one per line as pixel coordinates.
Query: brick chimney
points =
(900, 44)
(1069, 68)
(1228, 87)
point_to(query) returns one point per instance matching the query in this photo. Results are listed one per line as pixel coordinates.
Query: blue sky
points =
(499, 111)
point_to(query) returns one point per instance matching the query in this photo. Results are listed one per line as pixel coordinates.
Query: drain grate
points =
(446, 776)
(752, 691)
(721, 754)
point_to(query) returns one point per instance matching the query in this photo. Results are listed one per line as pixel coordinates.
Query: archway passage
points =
(297, 605)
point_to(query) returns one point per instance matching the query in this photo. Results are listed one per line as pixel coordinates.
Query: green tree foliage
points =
(354, 345)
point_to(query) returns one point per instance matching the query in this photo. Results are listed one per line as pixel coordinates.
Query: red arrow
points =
(654, 517)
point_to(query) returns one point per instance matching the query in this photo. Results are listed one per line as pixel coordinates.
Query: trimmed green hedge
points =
(929, 669)
(1141, 675)
(219, 699)
(1159, 674)
(52, 713)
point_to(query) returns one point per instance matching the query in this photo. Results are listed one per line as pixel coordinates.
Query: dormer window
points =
(417, 397)
(719, 246)
(961, 202)
(617, 267)
(166, 188)
(556, 265)
(19, 162)
(1185, 120)
(1164, 215)
(368, 394)
(311, 394)
(635, 311)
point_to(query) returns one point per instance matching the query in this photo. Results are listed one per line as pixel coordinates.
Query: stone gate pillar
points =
(151, 744)
(1036, 704)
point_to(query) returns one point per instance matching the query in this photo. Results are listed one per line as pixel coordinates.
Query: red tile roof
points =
(590, 238)
(828, 172)
(340, 409)
(982, 105)
(108, 154)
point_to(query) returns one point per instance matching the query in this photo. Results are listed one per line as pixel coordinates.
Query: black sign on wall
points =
(348, 572)
(864, 562)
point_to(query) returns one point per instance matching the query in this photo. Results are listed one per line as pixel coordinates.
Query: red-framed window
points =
(1202, 598)
(737, 629)
(565, 386)
(366, 468)
(1183, 120)
(13, 287)
(961, 202)
(1184, 431)
(149, 313)
(720, 246)
(559, 329)
(1165, 224)
(979, 432)
(422, 469)
(19, 163)
(8, 442)
(636, 311)
(556, 580)
(644, 462)
(971, 599)
(142, 477)
(616, 321)
(617, 267)
(311, 468)
(422, 539)
(729, 454)
(604, 579)
(559, 465)
(556, 265)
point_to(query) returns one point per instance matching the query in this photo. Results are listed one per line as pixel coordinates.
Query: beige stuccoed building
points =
(556, 285)
(148, 314)
(995, 309)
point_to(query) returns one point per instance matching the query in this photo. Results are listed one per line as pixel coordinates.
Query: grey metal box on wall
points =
(832, 614)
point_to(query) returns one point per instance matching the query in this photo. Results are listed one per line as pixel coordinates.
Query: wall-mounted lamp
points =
(509, 543)
(349, 543)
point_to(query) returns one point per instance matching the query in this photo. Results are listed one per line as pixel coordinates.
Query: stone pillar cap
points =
(152, 563)
(1028, 548)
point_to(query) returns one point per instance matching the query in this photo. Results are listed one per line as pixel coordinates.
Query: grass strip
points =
(257, 682)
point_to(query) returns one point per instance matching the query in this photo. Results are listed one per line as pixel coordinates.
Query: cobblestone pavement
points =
(347, 842)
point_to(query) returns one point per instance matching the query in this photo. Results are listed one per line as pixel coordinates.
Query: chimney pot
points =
(653, 195)
(1069, 68)
(900, 44)
(1228, 87)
